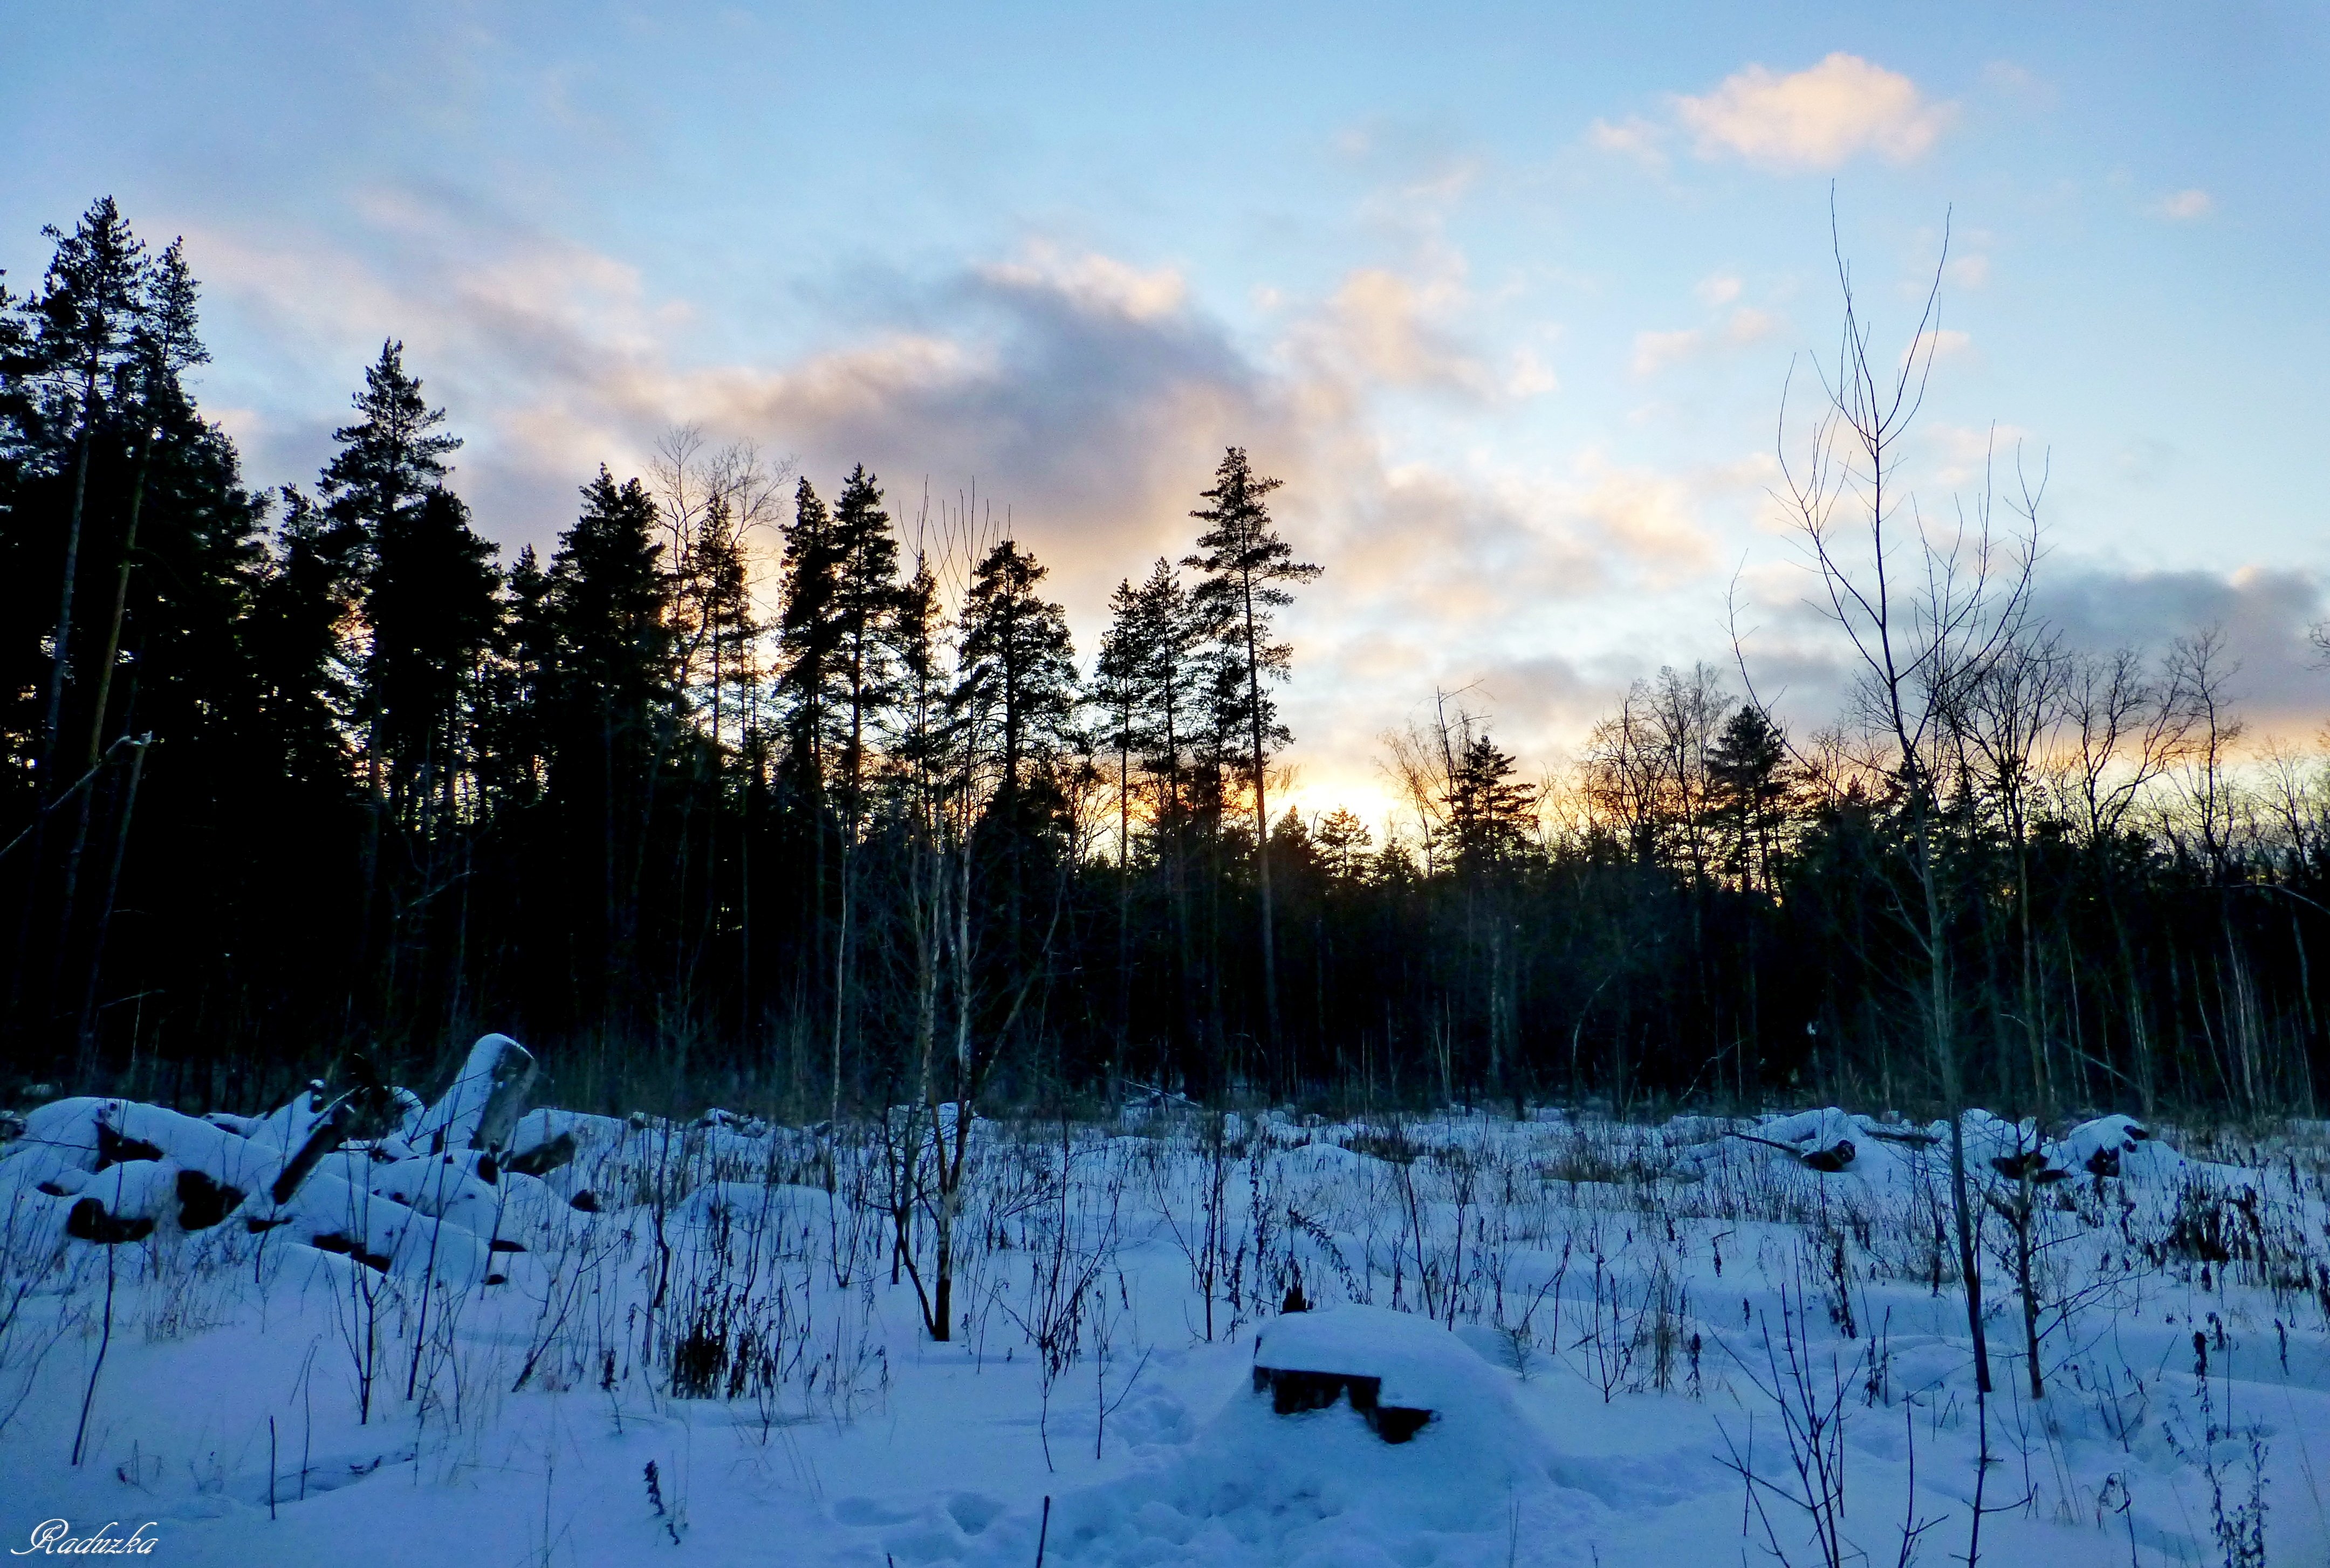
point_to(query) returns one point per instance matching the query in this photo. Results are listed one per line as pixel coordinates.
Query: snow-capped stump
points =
(482, 1108)
(1400, 1370)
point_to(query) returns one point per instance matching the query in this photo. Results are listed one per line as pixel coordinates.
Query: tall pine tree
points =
(1247, 567)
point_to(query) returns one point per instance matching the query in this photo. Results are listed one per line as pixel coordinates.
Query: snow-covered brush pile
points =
(457, 1327)
(425, 1195)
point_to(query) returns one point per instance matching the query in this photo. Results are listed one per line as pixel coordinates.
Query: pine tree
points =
(86, 322)
(168, 343)
(1246, 566)
(393, 456)
(1120, 673)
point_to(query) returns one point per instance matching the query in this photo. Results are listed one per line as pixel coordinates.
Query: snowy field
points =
(614, 1341)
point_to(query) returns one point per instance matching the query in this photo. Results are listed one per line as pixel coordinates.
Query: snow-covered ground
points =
(698, 1340)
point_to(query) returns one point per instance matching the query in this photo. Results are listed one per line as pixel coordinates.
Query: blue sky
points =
(1507, 295)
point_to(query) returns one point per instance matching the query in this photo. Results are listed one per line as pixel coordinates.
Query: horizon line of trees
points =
(285, 774)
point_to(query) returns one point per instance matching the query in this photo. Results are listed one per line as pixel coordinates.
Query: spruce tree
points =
(432, 604)
(1162, 633)
(1343, 841)
(1018, 664)
(865, 596)
(389, 459)
(513, 742)
(1488, 810)
(606, 605)
(296, 639)
(809, 639)
(1748, 768)
(1015, 701)
(1116, 683)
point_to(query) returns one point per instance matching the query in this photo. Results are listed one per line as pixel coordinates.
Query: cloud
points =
(1969, 271)
(2262, 612)
(2184, 207)
(1655, 351)
(1633, 137)
(1817, 118)
(1097, 282)
(1531, 376)
(1717, 289)
(1748, 324)
(1939, 342)
(1384, 327)
(1964, 452)
(1649, 515)
(2011, 80)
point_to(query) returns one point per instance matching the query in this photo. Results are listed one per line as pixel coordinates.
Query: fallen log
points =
(1828, 1160)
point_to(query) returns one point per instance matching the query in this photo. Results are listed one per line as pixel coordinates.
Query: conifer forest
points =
(792, 790)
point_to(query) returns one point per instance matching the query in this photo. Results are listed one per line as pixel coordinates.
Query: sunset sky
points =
(1507, 295)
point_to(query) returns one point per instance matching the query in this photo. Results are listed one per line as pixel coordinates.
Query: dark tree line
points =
(296, 771)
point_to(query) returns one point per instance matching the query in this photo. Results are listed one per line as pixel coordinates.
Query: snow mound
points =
(1318, 1487)
(2117, 1146)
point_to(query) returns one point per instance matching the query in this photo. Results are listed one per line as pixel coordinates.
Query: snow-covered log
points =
(1400, 1370)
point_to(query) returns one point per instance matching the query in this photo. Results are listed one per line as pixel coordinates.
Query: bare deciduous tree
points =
(1925, 604)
